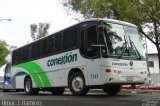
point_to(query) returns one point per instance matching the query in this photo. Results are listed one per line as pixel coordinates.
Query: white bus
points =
(96, 53)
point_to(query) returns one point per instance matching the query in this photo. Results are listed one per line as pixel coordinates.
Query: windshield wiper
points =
(133, 45)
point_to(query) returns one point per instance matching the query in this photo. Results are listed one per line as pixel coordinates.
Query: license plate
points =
(130, 79)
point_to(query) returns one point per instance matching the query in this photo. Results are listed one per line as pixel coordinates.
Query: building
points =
(154, 68)
(153, 63)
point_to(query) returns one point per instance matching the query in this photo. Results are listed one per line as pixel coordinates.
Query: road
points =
(91, 99)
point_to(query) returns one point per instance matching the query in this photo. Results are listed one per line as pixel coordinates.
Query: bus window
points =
(15, 57)
(82, 45)
(44, 47)
(19, 56)
(66, 39)
(73, 37)
(24, 53)
(29, 52)
(91, 41)
(34, 51)
(70, 38)
(52, 43)
(58, 42)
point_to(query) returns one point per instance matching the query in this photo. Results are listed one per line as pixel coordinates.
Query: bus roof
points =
(87, 20)
(111, 21)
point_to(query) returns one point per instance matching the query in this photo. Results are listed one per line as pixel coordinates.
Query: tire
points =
(28, 87)
(57, 91)
(112, 89)
(77, 84)
(5, 90)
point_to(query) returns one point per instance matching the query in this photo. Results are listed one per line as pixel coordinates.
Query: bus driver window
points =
(91, 41)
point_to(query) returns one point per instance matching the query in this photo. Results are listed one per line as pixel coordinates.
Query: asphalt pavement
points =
(67, 99)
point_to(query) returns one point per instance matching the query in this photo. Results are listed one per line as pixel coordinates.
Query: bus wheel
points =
(77, 84)
(28, 87)
(57, 90)
(112, 89)
(5, 90)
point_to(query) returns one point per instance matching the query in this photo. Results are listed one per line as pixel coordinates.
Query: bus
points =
(7, 86)
(95, 53)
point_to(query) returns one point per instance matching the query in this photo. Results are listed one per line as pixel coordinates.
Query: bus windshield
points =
(7, 73)
(122, 41)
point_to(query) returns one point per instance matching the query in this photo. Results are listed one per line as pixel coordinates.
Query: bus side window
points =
(82, 43)
(29, 53)
(24, 53)
(34, 51)
(38, 49)
(91, 41)
(66, 39)
(44, 47)
(70, 38)
(19, 56)
(51, 48)
(58, 42)
(15, 57)
(73, 37)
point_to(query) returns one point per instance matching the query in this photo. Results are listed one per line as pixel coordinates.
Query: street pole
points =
(6, 19)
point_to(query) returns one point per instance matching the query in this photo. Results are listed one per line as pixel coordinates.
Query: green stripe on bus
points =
(34, 68)
(27, 67)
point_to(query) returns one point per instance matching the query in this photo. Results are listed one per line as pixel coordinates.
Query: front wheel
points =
(112, 89)
(29, 88)
(77, 84)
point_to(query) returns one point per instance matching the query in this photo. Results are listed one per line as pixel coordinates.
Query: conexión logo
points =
(67, 58)
(119, 64)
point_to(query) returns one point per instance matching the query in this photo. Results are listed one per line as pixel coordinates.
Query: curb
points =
(125, 91)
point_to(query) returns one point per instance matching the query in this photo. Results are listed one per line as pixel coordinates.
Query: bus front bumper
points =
(126, 77)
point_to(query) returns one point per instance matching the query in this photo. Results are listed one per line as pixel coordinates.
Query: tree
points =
(143, 13)
(40, 30)
(3, 52)
(88, 8)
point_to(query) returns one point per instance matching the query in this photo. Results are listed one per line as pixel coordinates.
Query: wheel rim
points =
(28, 86)
(77, 83)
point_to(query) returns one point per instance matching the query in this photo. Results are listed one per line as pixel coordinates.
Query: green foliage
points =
(3, 52)
(88, 8)
(40, 30)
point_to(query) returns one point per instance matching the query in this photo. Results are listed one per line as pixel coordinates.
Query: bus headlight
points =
(115, 71)
(6, 83)
(108, 70)
(143, 72)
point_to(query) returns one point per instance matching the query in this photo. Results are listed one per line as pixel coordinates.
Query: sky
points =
(26, 12)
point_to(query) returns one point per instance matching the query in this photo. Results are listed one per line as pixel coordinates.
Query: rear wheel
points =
(5, 90)
(77, 84)
(112, 89)
(57, 91)
(29, 88)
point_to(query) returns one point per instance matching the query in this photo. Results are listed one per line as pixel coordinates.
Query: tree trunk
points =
(158, 50)
(159, 58)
